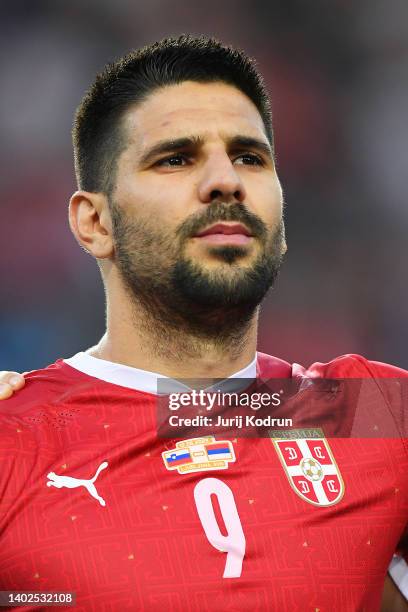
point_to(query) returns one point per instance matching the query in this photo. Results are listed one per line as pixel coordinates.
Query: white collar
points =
(145, 381)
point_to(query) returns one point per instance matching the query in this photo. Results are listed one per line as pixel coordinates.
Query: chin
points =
(228, 255)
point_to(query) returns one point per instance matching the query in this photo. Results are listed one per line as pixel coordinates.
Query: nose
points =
(221, 181)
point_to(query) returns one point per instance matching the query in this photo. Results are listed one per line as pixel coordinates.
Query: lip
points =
(225, 229)
(225, 239)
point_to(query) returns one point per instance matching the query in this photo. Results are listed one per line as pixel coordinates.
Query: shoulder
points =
(345, 366)
(354, 366)
(386, 378)
(376, 392)
(42, 387)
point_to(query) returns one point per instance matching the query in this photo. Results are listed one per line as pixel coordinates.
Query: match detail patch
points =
(199, 455)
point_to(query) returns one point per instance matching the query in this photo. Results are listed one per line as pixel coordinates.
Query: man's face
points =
(197, 207)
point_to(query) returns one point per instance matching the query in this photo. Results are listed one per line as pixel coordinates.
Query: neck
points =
(137, 338)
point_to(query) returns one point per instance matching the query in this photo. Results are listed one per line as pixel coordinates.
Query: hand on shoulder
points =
(9, 383)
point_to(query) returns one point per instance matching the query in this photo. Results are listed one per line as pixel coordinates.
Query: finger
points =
(6, 391)
(14, 379)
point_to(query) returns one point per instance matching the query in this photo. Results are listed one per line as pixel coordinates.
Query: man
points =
(181, 206)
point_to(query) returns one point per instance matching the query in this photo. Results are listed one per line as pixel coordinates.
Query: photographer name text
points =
(238, 421)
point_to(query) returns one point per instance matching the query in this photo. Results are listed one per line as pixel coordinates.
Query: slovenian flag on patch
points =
(218, 450)
(178, 457)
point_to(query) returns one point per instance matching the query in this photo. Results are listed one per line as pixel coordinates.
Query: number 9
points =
(234, 543)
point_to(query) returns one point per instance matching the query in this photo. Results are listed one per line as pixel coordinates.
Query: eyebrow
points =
(248, 142)
(170, 146)
(195, 142)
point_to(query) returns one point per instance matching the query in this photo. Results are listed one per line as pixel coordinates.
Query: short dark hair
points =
(97, 133)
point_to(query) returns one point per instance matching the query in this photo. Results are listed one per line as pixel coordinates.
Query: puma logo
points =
(70, 482)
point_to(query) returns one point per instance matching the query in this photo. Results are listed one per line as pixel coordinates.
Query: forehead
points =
(202, 109)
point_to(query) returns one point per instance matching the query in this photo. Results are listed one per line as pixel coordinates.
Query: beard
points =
(177, 292)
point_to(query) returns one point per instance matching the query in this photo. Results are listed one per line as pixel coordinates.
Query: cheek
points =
(266, 200)
(164, 202)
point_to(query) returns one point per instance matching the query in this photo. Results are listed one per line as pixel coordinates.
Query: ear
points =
(90, 222)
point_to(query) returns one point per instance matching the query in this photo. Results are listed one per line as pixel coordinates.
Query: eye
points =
(173, 160)
(249, 159)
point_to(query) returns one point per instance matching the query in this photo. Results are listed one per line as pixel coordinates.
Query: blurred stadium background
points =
(337, 74)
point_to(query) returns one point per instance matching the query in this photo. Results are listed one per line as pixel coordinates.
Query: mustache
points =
(218, 211)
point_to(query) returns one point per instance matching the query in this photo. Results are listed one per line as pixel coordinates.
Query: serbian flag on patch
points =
(178, 457)
(218, 450)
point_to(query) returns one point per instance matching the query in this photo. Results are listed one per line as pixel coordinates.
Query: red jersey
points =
(91, 502)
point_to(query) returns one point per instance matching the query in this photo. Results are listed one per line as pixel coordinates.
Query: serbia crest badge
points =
(310, 466)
